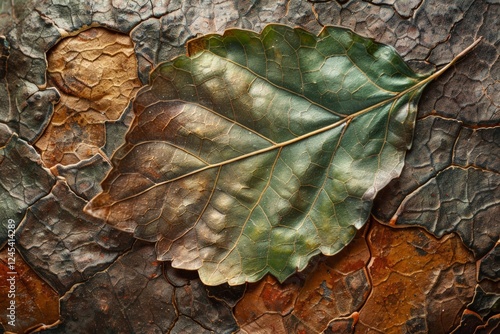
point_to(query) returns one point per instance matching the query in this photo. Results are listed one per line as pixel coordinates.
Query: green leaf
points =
(258, 151)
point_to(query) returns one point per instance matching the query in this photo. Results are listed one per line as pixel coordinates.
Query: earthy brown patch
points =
(96, 74)
(420, 283)
(335, 288)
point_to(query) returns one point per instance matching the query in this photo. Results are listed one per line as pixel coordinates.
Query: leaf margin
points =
(192, 50)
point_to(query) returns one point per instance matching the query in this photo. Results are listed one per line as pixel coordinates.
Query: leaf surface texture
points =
(258, 151)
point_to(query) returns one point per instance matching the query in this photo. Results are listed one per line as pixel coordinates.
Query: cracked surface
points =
(67, 246)
(455, 155)
(321, 298)
(33, 309)
(420, 284)
(96, 75)
(19, 187)
(133, 295)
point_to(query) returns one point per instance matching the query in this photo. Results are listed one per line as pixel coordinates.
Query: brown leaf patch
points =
(96, 73)
(420, 283)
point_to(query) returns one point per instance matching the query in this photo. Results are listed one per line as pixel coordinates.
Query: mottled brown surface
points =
(96, 75)
(410, 274)
(420, 284)
(332, 289)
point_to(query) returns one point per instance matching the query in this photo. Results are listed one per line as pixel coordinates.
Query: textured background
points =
(77, 275)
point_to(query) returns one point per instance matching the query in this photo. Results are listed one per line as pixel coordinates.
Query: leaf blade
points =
(247, 209)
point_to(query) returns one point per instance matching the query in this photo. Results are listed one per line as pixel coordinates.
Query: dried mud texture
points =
(83, 177)
(451, 178)
(489, 266)
(96, 75)
(19, 187)
(134, 296)
(482, 314)
(459, 114)
(458, 200)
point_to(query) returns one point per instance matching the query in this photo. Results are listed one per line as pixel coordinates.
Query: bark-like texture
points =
(449, 185)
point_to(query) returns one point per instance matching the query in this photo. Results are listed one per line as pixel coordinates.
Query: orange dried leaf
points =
(335, 288)
(96, 73)
(420, 283)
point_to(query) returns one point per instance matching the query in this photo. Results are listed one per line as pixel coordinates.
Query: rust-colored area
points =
(266, 296)
(36, 304)
(420, 283)
(335, 288)
(270, 323)
(343, 325)
(96, 74)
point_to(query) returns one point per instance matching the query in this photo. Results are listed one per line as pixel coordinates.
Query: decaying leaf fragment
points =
(258, 151)
(420, 283)
(96, 74)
